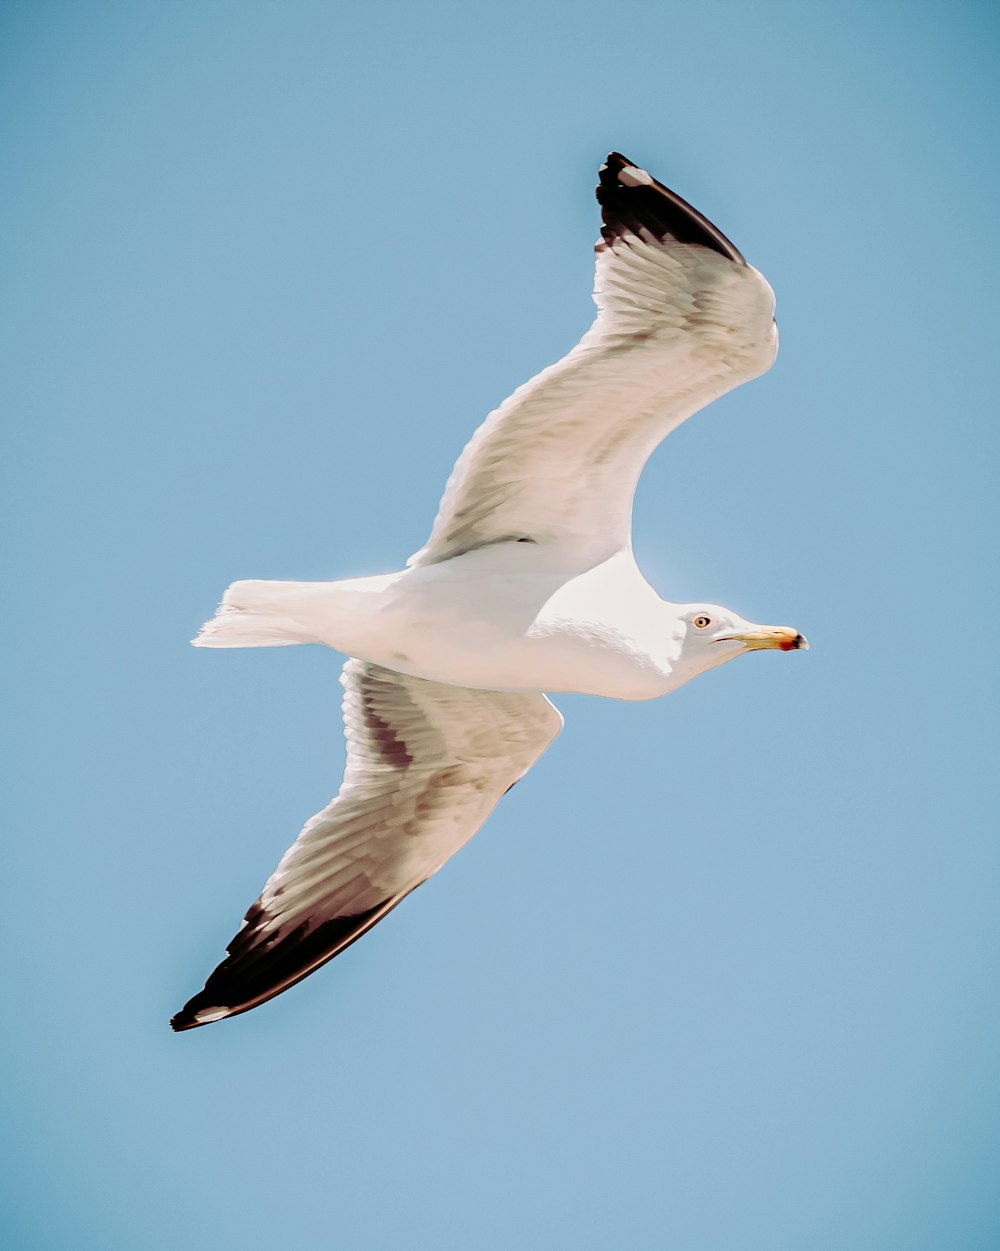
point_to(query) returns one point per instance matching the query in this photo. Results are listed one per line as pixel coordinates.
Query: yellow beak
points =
(784, 638)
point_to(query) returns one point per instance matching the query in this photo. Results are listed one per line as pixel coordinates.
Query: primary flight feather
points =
(526, 584)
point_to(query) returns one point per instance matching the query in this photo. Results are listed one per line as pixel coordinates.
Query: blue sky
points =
(721, 974)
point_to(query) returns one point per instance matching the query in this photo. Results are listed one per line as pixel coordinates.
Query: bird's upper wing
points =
(426, 764)
(681, 320)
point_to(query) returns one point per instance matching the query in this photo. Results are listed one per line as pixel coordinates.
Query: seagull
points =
(526, 585)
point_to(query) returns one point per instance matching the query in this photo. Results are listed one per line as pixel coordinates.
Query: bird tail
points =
(263, 614)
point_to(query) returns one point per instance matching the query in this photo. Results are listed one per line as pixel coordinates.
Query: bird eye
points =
(701, 621)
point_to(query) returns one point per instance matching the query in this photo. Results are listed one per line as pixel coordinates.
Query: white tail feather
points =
(260, 614)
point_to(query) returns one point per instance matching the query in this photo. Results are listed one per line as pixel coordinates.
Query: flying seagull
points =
(526, 584)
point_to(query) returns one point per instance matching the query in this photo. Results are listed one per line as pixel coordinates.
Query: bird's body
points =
(507, 617)
(526, 585)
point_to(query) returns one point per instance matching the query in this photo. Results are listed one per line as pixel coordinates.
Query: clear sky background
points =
(721, 974)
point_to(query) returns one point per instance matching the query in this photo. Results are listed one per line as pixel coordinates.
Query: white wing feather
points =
(426, 765)
(681, 320)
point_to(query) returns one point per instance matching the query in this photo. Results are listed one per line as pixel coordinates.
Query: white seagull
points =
(526, 584)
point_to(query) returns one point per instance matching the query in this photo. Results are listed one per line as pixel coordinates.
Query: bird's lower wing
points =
(682, 319)
(426, 764)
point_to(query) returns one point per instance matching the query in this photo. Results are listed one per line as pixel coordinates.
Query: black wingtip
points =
(202, 1009)
(258, 968)
(187, 1019)
(632, 201)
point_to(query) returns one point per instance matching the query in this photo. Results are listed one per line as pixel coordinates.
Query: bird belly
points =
(470, 654)
(468, 622)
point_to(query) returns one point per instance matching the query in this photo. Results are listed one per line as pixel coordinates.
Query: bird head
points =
(711, 635)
